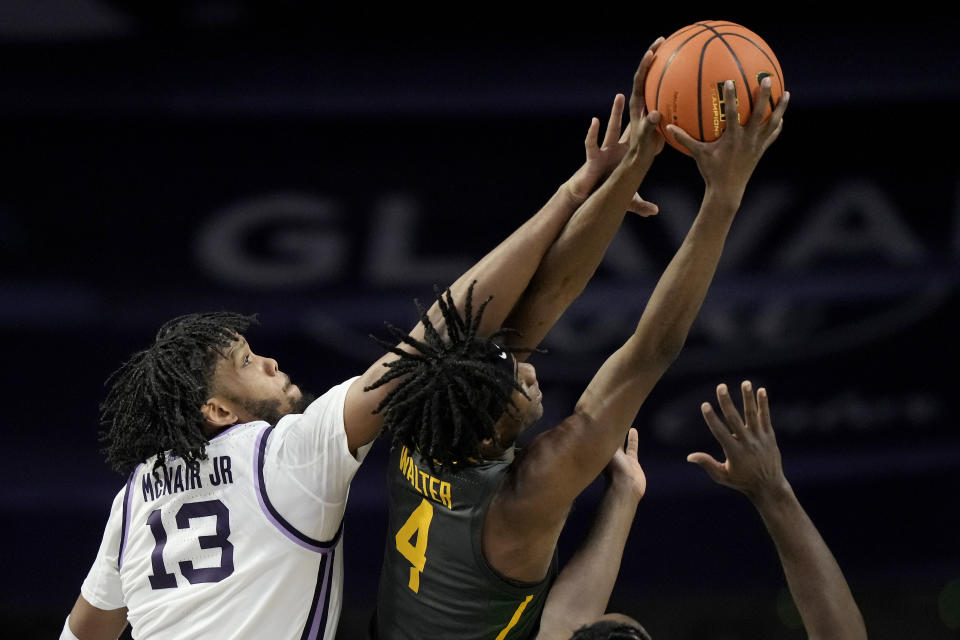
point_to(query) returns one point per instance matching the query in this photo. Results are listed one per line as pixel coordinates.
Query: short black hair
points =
(610, 630)
(452, 389)
(154, 399)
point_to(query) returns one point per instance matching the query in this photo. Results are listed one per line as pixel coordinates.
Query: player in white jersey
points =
(273, 577)
(230, 521)
(261, 550)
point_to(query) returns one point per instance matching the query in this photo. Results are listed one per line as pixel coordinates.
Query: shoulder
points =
(317, 433)
(322, 415)
(326, 408)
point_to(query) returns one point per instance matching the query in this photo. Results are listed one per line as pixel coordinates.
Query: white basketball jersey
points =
(248, 546)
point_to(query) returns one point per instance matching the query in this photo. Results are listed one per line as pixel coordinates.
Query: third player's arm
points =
(582, 591)
(816, 583)
(753, 466)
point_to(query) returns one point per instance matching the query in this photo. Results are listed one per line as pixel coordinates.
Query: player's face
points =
(253, 387)
(527, 410)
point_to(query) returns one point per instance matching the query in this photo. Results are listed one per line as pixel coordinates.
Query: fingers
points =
(656, 44)
(633, 440)
(590, 142)
(749, 405)
(716, 425)
(731, 111)
(637, 101)
(777, 116)
(709, 464)
(647, 138)
(759, 105)
(730, 414)
(773, 136)
(661, 141)
(692, 145)
(643, 208)
(775, 123)
(648, 125)
(765, 423)
(615, 121)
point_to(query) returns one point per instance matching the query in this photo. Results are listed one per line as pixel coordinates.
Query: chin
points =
(538, 413)
(300, 402)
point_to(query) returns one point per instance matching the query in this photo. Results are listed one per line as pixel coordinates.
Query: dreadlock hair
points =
(610, 630)
(154, 399)
(451, 391)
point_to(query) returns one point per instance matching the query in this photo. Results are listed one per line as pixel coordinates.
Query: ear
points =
(489, 449)
(218, 413)
(492, 447)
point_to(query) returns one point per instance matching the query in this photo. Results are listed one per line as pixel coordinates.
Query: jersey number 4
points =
(416, 554)
(187, 512)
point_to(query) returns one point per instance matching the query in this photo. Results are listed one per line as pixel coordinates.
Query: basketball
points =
(685, 81)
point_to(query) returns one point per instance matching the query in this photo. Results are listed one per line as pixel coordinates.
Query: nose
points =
(526, 372)
(271, 366)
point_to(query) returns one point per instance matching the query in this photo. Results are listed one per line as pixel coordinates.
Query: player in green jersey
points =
(473, 522)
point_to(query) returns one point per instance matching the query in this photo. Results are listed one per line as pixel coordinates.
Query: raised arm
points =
(582, 591)
(505, 272)
(560, 462)
(754, 468)
(574, 257)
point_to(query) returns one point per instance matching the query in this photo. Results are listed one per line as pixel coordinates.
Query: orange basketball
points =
(685, 82)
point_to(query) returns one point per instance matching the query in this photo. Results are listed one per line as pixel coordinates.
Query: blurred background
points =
(323, 166)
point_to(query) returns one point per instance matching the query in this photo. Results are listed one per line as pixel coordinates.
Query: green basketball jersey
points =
(435, 582)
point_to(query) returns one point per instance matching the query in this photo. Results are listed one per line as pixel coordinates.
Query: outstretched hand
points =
(753, 465)
(624, 470)
(643, 139)
(728, 162)
(602, 158)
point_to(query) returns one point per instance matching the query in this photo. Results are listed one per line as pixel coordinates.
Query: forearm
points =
(577, 252)
(679, 294)
(816, 582)
(582, 590)
(615, 394)
(87, 622)
(574, 256)
(505, 272)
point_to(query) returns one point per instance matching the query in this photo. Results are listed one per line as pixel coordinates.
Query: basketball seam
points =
(663, 73)
(716, 28)
(773, 64)
(743, 74)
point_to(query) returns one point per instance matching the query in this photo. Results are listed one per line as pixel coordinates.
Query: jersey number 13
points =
(161, 579)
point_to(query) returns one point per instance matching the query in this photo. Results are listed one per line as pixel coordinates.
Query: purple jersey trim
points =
(273, 515)
(125, 524)
(317, 618)
(228, 430)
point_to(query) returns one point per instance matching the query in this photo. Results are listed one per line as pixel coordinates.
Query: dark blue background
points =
(136, 139)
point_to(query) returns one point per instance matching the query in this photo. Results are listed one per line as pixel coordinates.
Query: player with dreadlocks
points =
(151, 399)
(230, 521)
(441, 377)
(473, 528)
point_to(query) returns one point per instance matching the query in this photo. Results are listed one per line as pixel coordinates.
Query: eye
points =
(246, 360)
